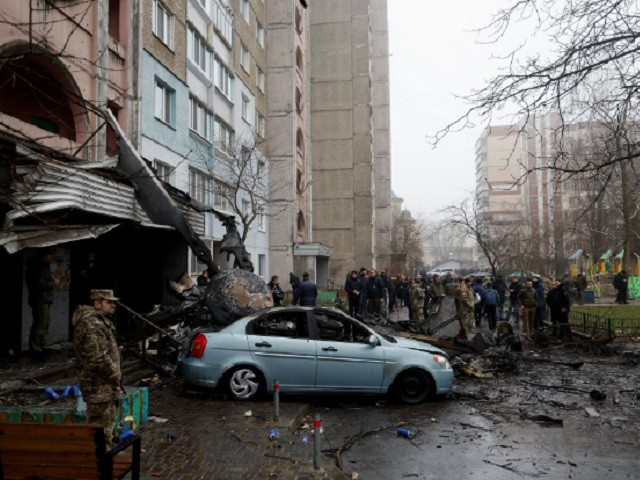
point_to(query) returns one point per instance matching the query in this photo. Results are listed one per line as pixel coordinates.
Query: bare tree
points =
(502, 243)
(592, 46)
(407, 244)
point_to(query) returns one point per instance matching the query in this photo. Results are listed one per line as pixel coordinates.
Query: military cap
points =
(102, 295)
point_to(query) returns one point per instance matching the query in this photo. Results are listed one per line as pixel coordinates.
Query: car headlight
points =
(442, 361)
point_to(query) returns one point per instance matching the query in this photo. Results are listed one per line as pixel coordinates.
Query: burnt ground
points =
(535, 417)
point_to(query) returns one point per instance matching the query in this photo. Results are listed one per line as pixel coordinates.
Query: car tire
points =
(413, 386)
(245, 383)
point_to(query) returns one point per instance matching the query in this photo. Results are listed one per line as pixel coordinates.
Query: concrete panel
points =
(362, 90)
(380, 69)
(280, 48)
(359, 7)
(281, 141)
(361, 119)
(331, 66)
(381, 144)
(332, 125)
(364, 243)
(360, 65)
(362, 180)
(363, 150)
(330, 37)
(331, 95)
(363, 210)
(328, 184)
(380, 94)
(329, 11)
(332, 213)
(342, 242)
(281, 91)
(360, 30)
(332, 154)
(279, 13)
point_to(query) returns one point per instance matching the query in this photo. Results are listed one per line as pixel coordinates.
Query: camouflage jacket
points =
(97, 355)
(466, 298)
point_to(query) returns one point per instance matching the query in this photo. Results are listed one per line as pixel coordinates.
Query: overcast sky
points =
(434, 56)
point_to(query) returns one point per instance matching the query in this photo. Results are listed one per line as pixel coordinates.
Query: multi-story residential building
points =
(292, 247)
(350, 132)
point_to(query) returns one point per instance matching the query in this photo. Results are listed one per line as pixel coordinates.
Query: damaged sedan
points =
(312, 350)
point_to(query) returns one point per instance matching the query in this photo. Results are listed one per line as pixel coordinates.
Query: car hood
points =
(416, 345)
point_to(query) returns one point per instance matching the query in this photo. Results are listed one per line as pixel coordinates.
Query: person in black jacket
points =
(362, 288)
(276, 291)
(307, 293)
(295, 286)
(500, 287)
(621, 283)
(563, 303)
(393, 294)
(375, 293)
(353, 292)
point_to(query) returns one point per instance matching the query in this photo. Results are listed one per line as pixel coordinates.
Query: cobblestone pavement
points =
(212, 439)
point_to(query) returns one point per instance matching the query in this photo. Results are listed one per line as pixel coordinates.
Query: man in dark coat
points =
(375, 293)
(500, 287)
(393, 294)
(540, 310)
(295, 286)
(276, 291)
(563, 306)
(307, 293)
(353, 292)
(621, 283)
(514, 302)
(581, 286)
(362, 288)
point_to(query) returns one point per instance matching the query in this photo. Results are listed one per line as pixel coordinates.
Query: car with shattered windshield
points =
(312, 350)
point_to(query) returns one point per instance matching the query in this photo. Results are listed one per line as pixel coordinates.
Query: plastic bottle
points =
(125, 435)
(51, 393)
(65, 392)
(404, 432)
(273, 434)
(305, 438)
(81, 407)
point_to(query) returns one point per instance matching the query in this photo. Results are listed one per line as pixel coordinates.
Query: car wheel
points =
(244, 383)
(413, 386)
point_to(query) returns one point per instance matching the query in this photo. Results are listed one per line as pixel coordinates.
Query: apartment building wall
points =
(350, 131)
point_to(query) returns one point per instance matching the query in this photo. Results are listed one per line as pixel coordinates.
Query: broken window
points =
(280, 324)
(335, 328)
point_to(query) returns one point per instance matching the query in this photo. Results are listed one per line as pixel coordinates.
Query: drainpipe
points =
(102, 67)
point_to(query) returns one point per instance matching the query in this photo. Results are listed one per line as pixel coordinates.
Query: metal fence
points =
(599, 326)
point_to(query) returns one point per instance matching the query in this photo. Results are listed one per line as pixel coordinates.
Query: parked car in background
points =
(313, 350)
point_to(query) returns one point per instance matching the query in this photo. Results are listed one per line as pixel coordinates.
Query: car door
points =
(346, 360)
(280, 345)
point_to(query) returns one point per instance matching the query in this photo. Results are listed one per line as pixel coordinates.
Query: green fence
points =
(601, 326)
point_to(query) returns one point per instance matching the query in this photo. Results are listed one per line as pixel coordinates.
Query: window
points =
(244, 58)
(221, 202)
(199, 186)
(203, 3)
(245, 108)
(334, 328)
(259, 124)
(260, 170)
(280, 324)
(222, 79)
(164, 172)
(223, 21)
(244, 10)
(200, 118)
(223, 136)
(260, 34)
(161, 23)
(245, 155)
(262, 220)
(164, 102)
(199, 51)
(260, 79)
(246, 207)
(262, 263)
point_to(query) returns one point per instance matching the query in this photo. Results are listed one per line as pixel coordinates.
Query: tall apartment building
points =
(538, 203)
(292, 246)
(350, 131)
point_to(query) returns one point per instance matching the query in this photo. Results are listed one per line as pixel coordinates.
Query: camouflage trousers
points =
(104, 414)
(468, 321)
(40, 327)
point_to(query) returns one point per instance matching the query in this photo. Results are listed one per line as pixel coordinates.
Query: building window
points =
(259, 124)
(221, 202)
(260, 79)
(162, 23)
(222, 79)
(199, 186)
(262, 264)
(199, 51)
(246, 207)
(223, 136)
(164, 103)
(244, 10)
(200, 118)
(260, 171)
(245, 108)
(260, 34)
(245, 155)
(203, 4)
(262, 220)
(223, 21)
(244, 58)
(164, 172)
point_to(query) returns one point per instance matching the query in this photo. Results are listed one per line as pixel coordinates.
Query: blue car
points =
(313, 350)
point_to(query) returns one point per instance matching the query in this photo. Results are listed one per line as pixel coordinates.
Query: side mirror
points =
(373, 341)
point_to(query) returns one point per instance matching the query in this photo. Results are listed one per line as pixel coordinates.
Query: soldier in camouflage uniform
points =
(98, 359)
(466, 298)
(417, 296)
